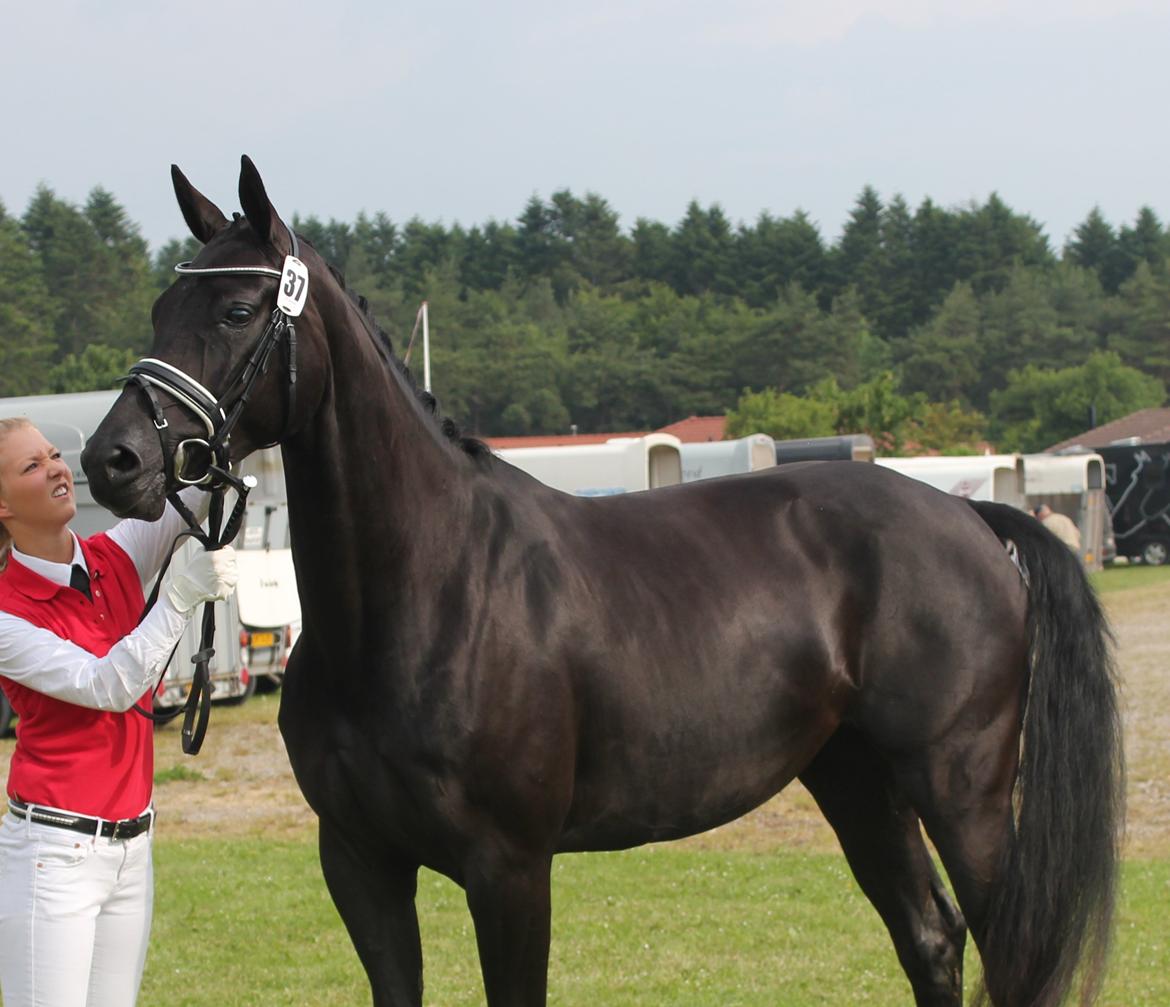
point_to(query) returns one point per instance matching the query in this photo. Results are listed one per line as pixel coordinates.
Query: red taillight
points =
(245, 638)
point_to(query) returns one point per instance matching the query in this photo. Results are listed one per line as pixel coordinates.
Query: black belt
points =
(126, 828)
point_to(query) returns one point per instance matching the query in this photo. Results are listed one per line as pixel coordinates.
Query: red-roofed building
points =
(697, 429)
(553, 440)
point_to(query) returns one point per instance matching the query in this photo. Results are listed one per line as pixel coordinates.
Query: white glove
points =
(210, 576)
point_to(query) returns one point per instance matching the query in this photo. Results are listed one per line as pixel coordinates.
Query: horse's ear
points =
(203, 217)
(260, 213)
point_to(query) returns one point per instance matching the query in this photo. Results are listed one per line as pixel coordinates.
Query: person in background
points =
(1062, 527)
(76, 874)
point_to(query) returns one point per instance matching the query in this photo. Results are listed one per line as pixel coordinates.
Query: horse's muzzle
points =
(122, 480)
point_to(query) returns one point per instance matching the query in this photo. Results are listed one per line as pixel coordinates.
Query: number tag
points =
(294, 287)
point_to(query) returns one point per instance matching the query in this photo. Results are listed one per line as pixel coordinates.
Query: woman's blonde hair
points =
(7, 426)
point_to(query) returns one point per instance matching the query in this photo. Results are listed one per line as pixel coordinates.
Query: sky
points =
(460, 112)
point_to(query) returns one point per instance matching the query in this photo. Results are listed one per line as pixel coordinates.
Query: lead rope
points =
(196, 709)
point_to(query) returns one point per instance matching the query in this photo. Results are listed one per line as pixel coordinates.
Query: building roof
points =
(697, 429)
(692, 430)
(1146, 426)
(553, 440)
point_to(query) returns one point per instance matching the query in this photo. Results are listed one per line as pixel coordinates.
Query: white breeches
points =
(75, 915)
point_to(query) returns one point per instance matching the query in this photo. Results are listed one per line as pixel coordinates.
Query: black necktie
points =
(79, 579)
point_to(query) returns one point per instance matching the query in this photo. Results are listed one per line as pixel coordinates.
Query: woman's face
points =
(36, 486)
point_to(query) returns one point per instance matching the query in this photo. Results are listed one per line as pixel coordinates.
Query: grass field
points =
(252, 924)
(763, 911)
(1127, 578)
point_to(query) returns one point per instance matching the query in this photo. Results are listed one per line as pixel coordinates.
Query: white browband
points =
(186, 267)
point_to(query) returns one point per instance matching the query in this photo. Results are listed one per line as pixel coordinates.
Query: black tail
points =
(1051, 911)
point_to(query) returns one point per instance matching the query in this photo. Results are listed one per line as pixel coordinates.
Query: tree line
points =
(930, 328)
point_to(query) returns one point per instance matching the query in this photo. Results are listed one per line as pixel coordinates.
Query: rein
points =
(196, 709)
(206, 461)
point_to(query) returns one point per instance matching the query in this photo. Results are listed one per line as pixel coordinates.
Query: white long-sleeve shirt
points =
(39, 659)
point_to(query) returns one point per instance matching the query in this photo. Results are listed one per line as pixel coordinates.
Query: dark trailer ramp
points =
(1137, 484)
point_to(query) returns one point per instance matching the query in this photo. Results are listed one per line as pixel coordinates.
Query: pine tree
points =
(942, 358)
(27, 314)
(652, 251)
(1095, 246)
(1020, 326)
(900, 307)
(701, 252)
(934, 255)
(1145, 242)
(991, 240)
(857, 260)
(1142, 333)
(489, 255)
(101, 279)
(773, 254)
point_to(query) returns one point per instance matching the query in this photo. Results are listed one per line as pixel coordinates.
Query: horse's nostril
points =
(124, 461)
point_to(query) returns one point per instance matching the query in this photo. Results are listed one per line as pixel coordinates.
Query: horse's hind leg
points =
(375, 898)
(880, 835)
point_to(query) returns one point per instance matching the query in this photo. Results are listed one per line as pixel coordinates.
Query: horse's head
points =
(223, 376)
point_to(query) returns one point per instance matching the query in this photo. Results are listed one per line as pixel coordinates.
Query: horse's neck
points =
(373, 486)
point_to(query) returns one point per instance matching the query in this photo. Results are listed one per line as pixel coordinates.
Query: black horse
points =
(492, 672)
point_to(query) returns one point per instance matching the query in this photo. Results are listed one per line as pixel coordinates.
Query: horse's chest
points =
(358, 768)
(345, 775)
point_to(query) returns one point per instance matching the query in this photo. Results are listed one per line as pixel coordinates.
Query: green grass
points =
(1122, 578)
(178, 773)
(250, 923)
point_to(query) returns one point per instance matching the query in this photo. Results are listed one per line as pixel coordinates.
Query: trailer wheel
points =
(5, 715)
(270, 682)
(1156, 552)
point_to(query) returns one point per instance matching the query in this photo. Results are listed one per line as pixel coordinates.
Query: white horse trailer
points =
(1072, 485)
(620, 465)
(711, 459)
(999, 478)
(270, 608)
(67, 421)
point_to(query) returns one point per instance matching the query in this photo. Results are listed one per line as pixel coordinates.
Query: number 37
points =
(295, 287)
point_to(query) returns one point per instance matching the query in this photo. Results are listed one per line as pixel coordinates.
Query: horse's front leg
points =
(508, 895)
(375, 897)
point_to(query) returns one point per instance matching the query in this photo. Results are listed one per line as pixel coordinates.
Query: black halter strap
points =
(205, 461)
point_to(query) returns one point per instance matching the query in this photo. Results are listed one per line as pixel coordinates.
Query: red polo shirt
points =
(92, 762)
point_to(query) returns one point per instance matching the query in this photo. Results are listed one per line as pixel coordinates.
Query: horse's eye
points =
(239, 315)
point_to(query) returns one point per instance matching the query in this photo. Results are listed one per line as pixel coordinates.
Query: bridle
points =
(206, 461)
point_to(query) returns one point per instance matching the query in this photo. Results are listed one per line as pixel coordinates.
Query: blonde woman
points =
(76, 877)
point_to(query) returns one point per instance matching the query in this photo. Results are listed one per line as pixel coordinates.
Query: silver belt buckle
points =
(124, 829)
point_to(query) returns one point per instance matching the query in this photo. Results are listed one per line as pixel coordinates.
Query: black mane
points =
(472, 446)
